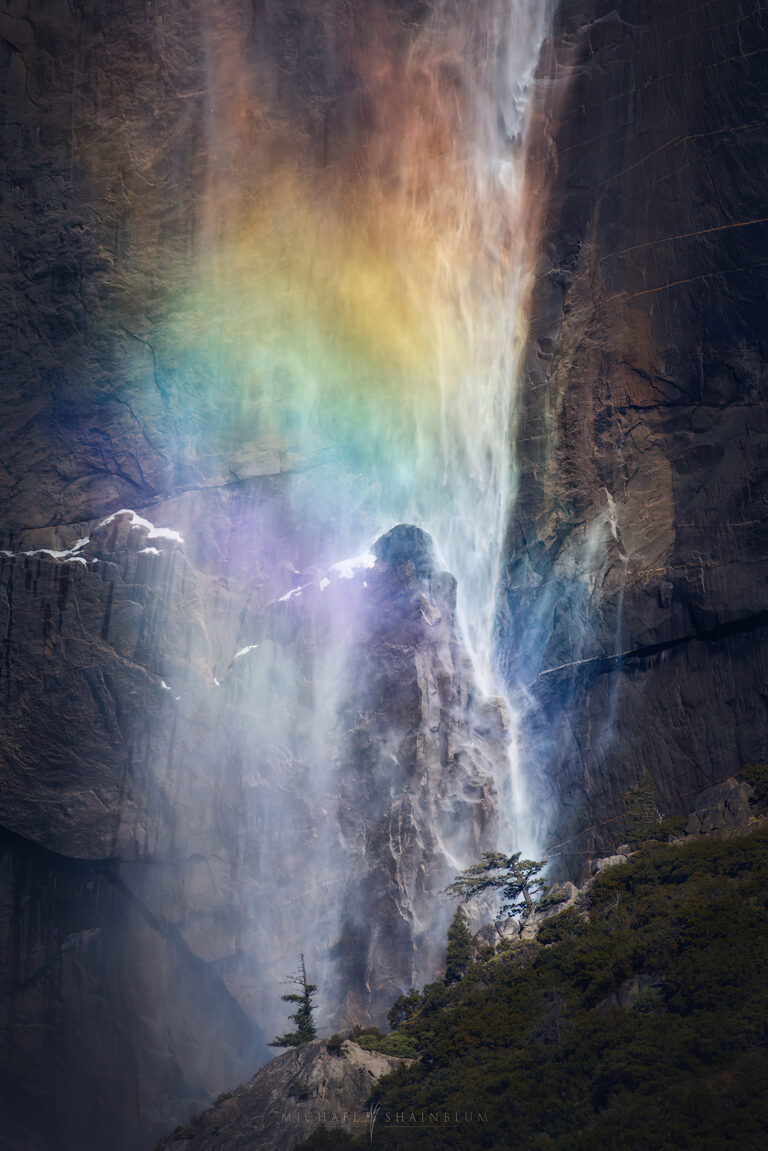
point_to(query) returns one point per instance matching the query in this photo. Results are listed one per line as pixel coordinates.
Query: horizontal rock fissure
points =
(602, 664)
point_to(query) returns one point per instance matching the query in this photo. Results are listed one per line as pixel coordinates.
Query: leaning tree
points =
(514, 878)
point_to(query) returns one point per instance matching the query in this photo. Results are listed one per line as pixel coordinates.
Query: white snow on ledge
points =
(348, 569)
(68, 554)
(344, 569)
(244, 650)
(292, 594)
(138, 521)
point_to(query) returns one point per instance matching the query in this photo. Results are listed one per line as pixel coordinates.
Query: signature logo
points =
(373, 1115)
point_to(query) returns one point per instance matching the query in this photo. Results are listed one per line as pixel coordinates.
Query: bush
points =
(552, 899)
(333, 1045)
(397, 1045)
(358, 1031)
(404, 1008)
(671, 826)
(560, 927)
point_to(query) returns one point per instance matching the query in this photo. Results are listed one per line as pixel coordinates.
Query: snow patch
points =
(137, 521)
(150, 552)
(348, 569)
(245, 650)
(66, 554)
(292, 594)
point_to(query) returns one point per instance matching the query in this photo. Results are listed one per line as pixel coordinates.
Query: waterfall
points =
(354, 313)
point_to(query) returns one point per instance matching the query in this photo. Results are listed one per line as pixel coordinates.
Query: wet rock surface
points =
(636, 569)
(101, 1002)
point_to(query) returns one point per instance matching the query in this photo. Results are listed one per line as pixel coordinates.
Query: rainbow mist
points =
(356, 297)
(343, 316)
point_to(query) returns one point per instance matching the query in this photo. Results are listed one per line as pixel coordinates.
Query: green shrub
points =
(404, 1007)
(671, 826)
(398, 1045)
(358, 1030)
(552, 899)
(333, 1045)
(560, 926)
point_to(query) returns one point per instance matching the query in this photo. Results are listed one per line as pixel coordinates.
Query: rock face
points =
(288, 1098)
(636, 569)
(182, 819)
(721, 808)
(113, 1026)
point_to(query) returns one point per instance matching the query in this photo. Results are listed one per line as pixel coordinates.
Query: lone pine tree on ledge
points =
(512, 876)
(302, 1016)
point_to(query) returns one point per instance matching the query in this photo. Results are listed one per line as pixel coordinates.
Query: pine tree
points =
(404, 1008)
(302, 1016)
(512, 876)
(461, 948)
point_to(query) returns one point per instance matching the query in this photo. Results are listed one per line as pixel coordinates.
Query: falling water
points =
(362, 280)
(351, 318)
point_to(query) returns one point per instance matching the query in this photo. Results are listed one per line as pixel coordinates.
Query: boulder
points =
(607, 861)
(721, 808)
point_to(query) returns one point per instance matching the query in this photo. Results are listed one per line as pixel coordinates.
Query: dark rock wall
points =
(99, 1000)
(637, 551)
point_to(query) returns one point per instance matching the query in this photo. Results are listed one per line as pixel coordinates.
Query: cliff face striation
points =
(636, 554)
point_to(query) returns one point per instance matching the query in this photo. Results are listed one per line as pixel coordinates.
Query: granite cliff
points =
(636, 569)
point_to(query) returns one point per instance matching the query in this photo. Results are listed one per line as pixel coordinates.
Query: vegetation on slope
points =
(637, 1024)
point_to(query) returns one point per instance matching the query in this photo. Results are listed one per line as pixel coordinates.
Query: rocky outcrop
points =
(224, 781)
(636, 552)
(721, 809)
(176, 724)
(307, 1087)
